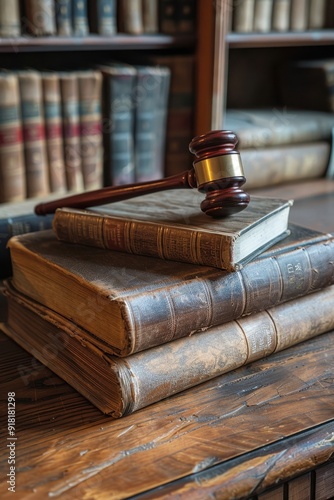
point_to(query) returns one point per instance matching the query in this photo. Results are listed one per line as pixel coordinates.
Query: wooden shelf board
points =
(286, 39)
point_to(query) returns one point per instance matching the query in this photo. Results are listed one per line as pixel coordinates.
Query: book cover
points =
(102, 16)
(118, 123)
(33, 126)
(71, 130)
(53, 131)
(40, 17)
(120, 386)
(132, 302)
(12, 166)
(159, 225)
(90, 112)
(63, 10)
(80, 18)
(10, 22)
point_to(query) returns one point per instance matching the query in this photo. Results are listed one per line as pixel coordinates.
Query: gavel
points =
(217, 171)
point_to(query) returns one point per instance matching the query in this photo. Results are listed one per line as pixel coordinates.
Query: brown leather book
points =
(40, 17)
(131, 303)
(12, 168)
(130, 17)
(120, 386)
(36, 163)
(54, 132)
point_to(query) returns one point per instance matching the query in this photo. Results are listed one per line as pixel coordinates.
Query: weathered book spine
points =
(53, 132)
(71, 130)
(131, 17)
(118, 124)
(10, 24)
(102, 16)
(40, 17)
(80, 18)
(243, 16)
(281, 15)
(299, 15)
(37, 175)
(12, 168)
(90, 95)
(64, 17)
(263, 15)
(317, 14)
(148, 377)
(150, 16)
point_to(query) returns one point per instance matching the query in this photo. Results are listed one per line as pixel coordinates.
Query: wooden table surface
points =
(263, 431)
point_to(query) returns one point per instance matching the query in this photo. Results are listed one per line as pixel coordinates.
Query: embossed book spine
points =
(102, 15)
(80, 18)
(12, 168)
(64, 17)
(131, 303)
(120, 386)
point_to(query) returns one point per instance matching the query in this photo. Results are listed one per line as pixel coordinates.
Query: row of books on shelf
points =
(102, 17)
(75, 130)
(129, 328)
(263, 16)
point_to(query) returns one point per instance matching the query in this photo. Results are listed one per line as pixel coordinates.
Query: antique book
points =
(12, 167)
(150, 9)
(150, 121)
(299, 15)
(262, 127)
(53, 131)
(102, 16)
(80, 18)
(263, 15)
(118, 123)
(131, 17)
(10, 23)
(63, 10)
(186, 16)
(120, 386)
(40, 17)
(243, 16)
(317, 14)
(90, 112)
(33, 126)
(281, 15)
(147, 301)
(160, 225)
(168, 17)
(71, 130)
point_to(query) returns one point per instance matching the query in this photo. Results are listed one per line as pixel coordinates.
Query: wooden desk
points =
(264, 431)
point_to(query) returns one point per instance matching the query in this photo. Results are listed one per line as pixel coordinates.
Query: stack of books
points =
(133, 302)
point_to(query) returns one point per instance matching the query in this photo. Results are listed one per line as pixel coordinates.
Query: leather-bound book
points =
(317, 14)
(263, 15)
(133, 302)
(150, 9)
(80, 25)
(243, 16)
(10, 22)
(54, 132)
(63, 10)
(130, 17)
(36, 163)
(299, 15)
(12, 167)
(120, 386)
(102, 16)
(40, 17)
(281, 15)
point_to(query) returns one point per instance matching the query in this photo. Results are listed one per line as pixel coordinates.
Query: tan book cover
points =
(263, 15)
(243, 16)
(281, 15)
(299, 15)
(131, 17)
(131, 302)
(10, 21)
(120, 386)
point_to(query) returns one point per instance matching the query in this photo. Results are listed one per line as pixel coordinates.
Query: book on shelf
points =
(317, 14)
(102, 16)
(243, 16)
(90, 113)
(262, 15)
(12, 165)
(132, 303)
(150, 14)
(120, 386)
(10, 22)
(40, 17)
(299, 15)
(33, 127)
(71, 130)
(130, 19)
(160, 226)
(177, 17)
(281, 15)
(80, 25)
(63, 12)
(53, 131)
(168, 17)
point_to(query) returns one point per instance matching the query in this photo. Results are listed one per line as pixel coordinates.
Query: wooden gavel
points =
(217, 171)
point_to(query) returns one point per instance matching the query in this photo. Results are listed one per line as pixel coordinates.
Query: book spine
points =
(299, 15)
(53, 132)
(131, 14)
(118, 126)
(71, 130)
(150, 16)
(90, 91)
(12, 167)
(31, 94)
(163, 371)
(168, 17)
(10, 24)
(40, 17)
(243, 16)
(281, 15)
(64, 17)
(186, 16)
(317, 14)
(262, 15)
(79, 18)
(103, 16)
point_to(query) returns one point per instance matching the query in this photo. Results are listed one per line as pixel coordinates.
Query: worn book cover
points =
(131, 302)
(120, 386)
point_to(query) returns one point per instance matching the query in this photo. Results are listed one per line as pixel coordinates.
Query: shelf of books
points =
(287, 39)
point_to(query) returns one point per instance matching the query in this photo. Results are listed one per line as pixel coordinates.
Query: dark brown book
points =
(131, 303)
(120, 386)
(12, 167)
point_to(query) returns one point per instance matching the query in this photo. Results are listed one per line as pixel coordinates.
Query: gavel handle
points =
(118, 193)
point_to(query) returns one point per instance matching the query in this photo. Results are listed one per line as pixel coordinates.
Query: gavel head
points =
(219, 173)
